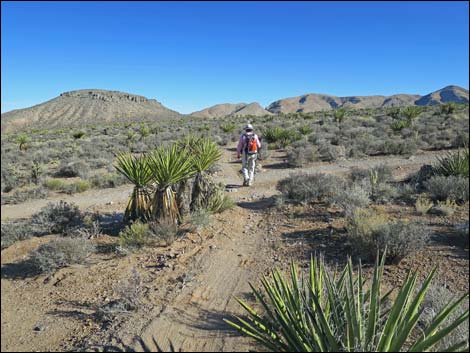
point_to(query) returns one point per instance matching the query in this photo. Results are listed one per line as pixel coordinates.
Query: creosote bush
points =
(310, 187)
(371, 232)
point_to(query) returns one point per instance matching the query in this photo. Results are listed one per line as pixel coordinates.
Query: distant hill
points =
(227, 109)
(447, 94)
(86, 106)
(317, 102)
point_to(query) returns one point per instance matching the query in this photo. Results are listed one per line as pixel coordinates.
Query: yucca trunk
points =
(202, 190)
(139, 205)
(165, 207)
(184, 193)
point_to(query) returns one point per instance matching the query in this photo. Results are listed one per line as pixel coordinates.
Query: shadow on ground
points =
(258, 205)
(20, 270)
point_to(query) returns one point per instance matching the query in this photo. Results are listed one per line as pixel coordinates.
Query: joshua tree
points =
(169, 165)
(411, 113)
(22, 141)
(137, 170)
(340, 115)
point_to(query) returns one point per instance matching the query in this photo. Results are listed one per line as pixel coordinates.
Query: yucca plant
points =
(205, 153)
(22, 141)
(453, 164)
(329, 313)
(138, 172)
(169, 165)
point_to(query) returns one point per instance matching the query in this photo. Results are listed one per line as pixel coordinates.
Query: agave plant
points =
(456, 164)
(341, 314)
(137, 170)
(205, 153)
(169, 165)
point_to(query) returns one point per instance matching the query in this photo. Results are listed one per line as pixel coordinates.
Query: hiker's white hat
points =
(248, 127)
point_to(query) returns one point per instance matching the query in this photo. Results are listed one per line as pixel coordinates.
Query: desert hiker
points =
(248, 146)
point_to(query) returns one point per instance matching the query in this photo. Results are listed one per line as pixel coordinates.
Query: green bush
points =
(54, 184)
(135, 235)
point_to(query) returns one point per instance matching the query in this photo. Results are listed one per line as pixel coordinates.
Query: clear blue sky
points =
(195, 54)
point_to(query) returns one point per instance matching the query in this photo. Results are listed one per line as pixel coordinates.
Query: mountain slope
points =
(86, 106)
(447, 94)
(227, 109)
(317, 102)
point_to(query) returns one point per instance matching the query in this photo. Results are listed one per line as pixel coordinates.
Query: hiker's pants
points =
(248, 166)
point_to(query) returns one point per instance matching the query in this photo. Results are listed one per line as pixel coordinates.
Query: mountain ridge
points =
(94, 105)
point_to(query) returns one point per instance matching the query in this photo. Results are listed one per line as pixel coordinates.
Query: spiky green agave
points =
(170, 165)
(453, 163)
(340, 314)
(136, 169)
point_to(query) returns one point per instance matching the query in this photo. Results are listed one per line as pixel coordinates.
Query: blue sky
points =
(190, 55)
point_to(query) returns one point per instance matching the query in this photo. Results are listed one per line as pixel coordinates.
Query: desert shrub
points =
(135, 235)
(398, 147)
(219, 201)
(54, 184)
(381, 173)
(351, 198)
(60, 253)
(310, 187)
(200, 219)
(73, 169)
(444, 208)
(229, 127)
(280, 137)
(20, 196)
(447, 108)
(263, 152)
(371, 233)
(452, 187)
(423, 205)
(57, 217)
(13, 231)
(165, 232)
(329, 152)
(399, 125)
(302, 153)
(437, 298)
(383, 193)
(425, 173)
(305, 130)
(77, 187)
(108, 180)
(453, 164)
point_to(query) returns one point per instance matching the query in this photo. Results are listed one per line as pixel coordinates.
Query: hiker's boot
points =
(245, 183)
(250, 182)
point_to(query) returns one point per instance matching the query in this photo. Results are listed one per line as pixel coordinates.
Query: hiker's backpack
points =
(251, 147)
